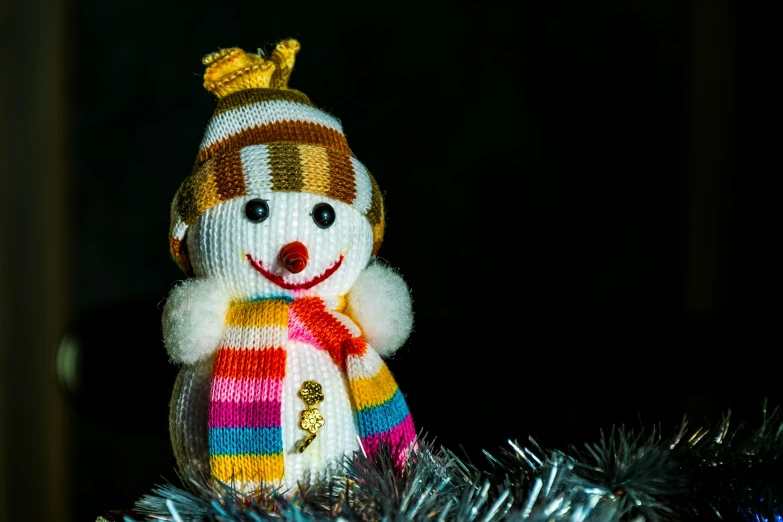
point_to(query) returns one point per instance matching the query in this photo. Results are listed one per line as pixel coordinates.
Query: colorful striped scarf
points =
(245, 435)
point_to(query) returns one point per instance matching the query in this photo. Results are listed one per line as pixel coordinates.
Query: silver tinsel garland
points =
(719, 474)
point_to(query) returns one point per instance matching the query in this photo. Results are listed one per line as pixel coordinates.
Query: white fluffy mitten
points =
(193, 320)
(380, 302)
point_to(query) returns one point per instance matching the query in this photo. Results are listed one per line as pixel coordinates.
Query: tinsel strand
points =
(722, 473)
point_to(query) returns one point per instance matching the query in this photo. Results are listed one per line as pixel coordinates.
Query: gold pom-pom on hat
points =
(232, 70)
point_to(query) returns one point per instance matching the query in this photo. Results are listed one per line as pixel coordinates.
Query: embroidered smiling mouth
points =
(279, 281)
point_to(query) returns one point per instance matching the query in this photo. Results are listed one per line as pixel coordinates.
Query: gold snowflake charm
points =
(311, 393)
(312, 420)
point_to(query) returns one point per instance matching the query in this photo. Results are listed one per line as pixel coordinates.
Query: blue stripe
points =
(285, 298)
(384, 417)
(245, 441)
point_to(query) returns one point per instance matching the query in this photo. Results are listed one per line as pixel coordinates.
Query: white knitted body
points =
(219, 242)
(340, 434)
(338, 437)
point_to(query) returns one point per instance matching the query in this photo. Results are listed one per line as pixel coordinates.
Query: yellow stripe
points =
(315, 169)
(197, 193)
(244, 468)
(374, 391)
(261, 313)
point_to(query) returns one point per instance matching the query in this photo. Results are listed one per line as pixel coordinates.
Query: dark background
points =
(580, 196)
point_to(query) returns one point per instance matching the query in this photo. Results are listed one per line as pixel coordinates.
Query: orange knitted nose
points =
(293, 257)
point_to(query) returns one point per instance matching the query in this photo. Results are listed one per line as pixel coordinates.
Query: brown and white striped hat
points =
(265, 137)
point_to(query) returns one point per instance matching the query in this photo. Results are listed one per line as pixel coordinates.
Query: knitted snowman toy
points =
(283, 319)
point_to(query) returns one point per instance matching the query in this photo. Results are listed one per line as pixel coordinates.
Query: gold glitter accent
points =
(303, 445)
(311, 420)
(311, 393)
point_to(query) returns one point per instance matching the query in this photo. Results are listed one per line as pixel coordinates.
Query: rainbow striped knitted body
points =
(246, 441)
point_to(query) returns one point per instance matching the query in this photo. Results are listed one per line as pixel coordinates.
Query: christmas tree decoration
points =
(277, 228)
(720, 474)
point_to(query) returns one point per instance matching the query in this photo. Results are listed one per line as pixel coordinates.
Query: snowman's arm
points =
(380, 302)
(194, 319)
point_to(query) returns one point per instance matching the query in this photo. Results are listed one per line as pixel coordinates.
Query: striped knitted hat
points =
(266, 137)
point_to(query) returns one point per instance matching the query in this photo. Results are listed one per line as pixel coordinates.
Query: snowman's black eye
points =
(256, 210)
(323, 215)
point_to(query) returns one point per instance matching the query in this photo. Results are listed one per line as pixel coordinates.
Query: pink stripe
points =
(399, 439)
(263, 414)
(297, 331)
(246, 390)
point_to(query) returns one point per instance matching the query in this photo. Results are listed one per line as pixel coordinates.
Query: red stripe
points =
(330, 334)
(250, 364)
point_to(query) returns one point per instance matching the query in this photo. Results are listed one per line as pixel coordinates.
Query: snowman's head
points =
(277, 205)
(272, 244)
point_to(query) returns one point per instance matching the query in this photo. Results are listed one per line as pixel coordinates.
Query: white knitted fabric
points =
(256, 163)
(239, 119)
(220, 239)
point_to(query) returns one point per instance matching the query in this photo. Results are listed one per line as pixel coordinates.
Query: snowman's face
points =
(281, 244)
